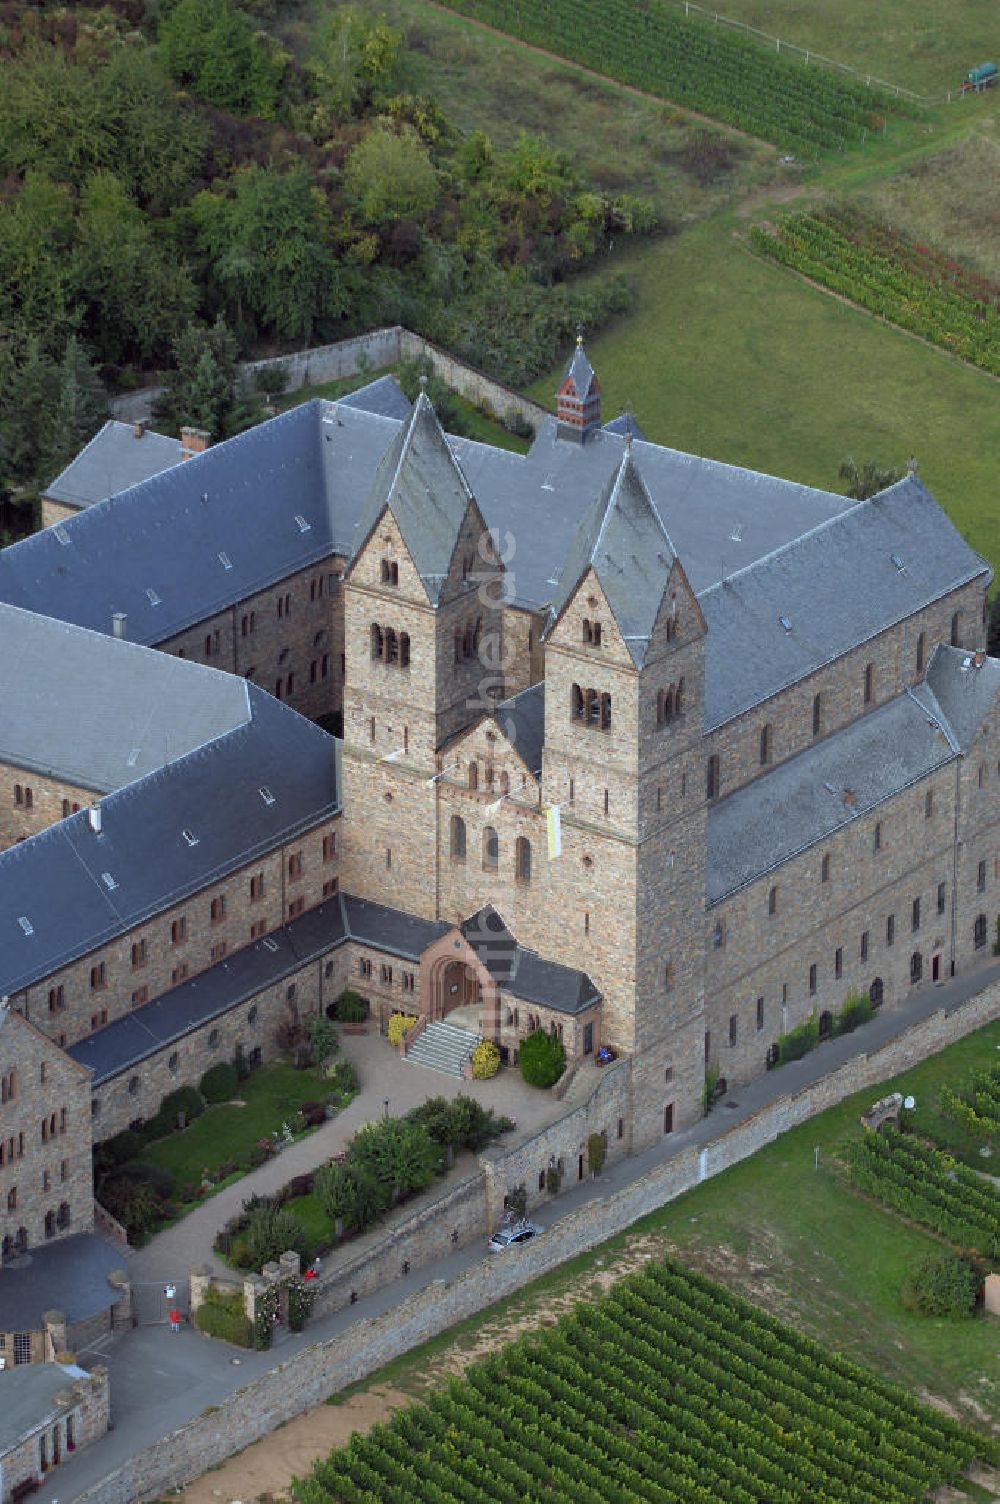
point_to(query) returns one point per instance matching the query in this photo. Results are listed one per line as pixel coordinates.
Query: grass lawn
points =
(313, 1218)
(271, 1095)
(728, 356)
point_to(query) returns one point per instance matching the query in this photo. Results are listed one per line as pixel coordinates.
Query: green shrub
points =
(855, 1010)
(943, 1284)
(542, 1059)
(344, 1078)
(222, 1315)
(322, 1038)
(220, 1083)
(271, 1231)
(351, 1007)
(798, 1041)
(485, 1060)
(120, 1148)
(186, 1099)
(553, 1180)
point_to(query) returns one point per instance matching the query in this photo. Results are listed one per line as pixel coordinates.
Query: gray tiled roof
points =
(113, 460)
(78, 1268)
(958, 693)
(92, 711)
(28, 1393)
(77, 889)
(522, 721)
(422, 483)
(802, 801)
(580, 371)
(522, 972)
(837, 586)
(384, 397)
(623, 540)
(625, 423)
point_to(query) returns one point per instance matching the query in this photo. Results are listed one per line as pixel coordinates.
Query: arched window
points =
(63, 1215)
(712, 777)
(765, 745)
(391, 646)
(605, 712)
(473, 775)
(876, 993)
(772, 901)
(869, 683)
(50, 1224)
(956, 630)
(475, 635)
(920, 653)
(457, 838)
(404, 649)
(378, 642)
(504, 784)
(522, 864)
(916, 966)
(679, 697)
(593, 707)
(7, 1248)
(817, 714)
(491, 849)
(665, 706)
(979, 931)
(576, 703)
(21, 1240)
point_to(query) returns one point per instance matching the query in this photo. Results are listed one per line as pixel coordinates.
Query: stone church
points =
(650, 751)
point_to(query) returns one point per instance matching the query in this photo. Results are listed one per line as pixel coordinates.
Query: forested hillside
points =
(168, 166)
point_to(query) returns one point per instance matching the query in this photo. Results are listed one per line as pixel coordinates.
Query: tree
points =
(336, 1190)
(322, 1037)
(542, 1059)
(399, 1156)
(266, 244)
(205, 388)
(391, 176)
(352, 58)
(867, 479)
(37, 233)
(81, 408)
(214, 49)
(27, 414)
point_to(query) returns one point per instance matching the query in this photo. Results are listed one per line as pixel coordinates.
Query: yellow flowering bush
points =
(485, 1060)
(400, 1024)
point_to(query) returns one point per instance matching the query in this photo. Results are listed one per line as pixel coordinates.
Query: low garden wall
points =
(315, 1372)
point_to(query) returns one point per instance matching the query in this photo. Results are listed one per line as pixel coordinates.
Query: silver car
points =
(512, 1233)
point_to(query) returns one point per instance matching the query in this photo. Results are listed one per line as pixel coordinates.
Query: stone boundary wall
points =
(315, 1372)
(376, 350)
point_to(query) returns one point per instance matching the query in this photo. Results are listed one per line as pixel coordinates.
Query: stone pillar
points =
(253, 1287)
(54, 1327)
(991, 1295)
(290, 1264)
(121, 1311)
(201, 1280)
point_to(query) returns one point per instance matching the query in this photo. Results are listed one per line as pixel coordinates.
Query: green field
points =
(928, 47)
(728, 356)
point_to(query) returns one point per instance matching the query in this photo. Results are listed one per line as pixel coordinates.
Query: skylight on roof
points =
(108, 881)
(152, 597)
(26, 924)
(190, 837)
(224, 559)
(736, 536)
(303, 525)
(133, 757)
(898, 563)
(265, 794)
(61, 534)
(786, 623)
(270, 944)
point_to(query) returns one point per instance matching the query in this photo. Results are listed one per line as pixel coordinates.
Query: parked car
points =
(511, 1233)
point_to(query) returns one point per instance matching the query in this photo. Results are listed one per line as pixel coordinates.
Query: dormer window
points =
(592, 632)
(390, 572)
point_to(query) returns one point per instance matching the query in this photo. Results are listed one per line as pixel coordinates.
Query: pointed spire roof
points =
(622, 538)
(579, 370)
(421, 482)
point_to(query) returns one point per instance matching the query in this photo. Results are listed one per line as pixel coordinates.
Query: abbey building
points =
(648, 750)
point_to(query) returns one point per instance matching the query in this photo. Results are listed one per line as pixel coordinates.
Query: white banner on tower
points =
(554, 823)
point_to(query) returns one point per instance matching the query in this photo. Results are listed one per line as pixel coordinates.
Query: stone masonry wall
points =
(45, 1140)
(313, 1374)
(31, 801)
(82, 1416)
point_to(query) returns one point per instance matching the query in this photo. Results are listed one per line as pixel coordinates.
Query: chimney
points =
(138, 428)
(94, 818)
(849, 798)
(980, 658)
(194, 441)
(118, 620)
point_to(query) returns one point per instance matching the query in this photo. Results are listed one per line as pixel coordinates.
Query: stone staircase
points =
(443, 1047)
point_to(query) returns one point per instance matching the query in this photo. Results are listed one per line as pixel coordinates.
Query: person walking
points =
(175, 1319)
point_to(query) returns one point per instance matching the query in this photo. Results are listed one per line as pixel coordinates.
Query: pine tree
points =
(82, 406)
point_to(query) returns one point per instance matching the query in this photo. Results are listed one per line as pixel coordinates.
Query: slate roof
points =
(959, 694)
(421, 482)
(625, 424)
(27, 1397)
(522, 972)
(101, 713)
(623, 540)
(75, 889)
(837, 586)
(801, 802)
(69, 1274)
(522, 721)
(113, 460)
(384, 396)
(579, 370)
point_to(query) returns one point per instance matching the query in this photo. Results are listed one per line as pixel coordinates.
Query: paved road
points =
(160, 1380)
